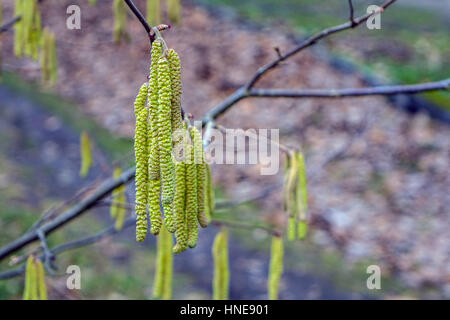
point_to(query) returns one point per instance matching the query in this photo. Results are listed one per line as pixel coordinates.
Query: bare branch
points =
(109, 231)
(352, 13)
(312, 40)
(102, 191)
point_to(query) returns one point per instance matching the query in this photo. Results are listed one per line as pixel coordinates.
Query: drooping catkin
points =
(117, 210)
(292, 228)
(153, 101)
(200, 166)
(86, 153)
(191, 198)
(120, 20)
(209, 203)
(48, 57)
(174, 11)
(153, 206)
(302, 196)
(168, 217)
(221, 276)
(181, 232)
(27, 287)
(175, 74)
(164, 266)
(275, 268)
(31, 280)
(42, 288)
(165, 131)
(168, 266)
(141, 155)
(154, 12)
(18, 28)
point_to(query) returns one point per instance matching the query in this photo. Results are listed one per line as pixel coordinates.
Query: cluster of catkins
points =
(171, 171)
(295, 195)
(30, 38)
(35, 288)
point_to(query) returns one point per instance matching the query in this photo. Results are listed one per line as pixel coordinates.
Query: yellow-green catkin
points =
(27, 287)
(200, 166)
(164, 266)
(168, 266)
(165, 131)
(209, 203)
(181, 232)
(117, 210)
(154, 12)
(191, 198)
(175, 74)
(153, 101)
(174, 11)
(153, 206)
(18, 28)
(302, 197)
(92, 2)
(292, 228)
(31, 280)
(42, 288)
(120, 20)
(141, 154)
(48, 57)
(275, 268)
(86, 153)
(221, 278)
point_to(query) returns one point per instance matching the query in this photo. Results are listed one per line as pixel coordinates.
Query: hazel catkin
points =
(191, 198)
(275, 268)
(141, 154)
(165, 131)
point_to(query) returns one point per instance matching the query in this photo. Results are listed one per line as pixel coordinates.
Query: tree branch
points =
(102, 191)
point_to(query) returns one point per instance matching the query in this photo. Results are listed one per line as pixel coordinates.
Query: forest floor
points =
(383, 200)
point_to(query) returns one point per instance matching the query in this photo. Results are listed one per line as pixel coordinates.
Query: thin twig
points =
(352, 13)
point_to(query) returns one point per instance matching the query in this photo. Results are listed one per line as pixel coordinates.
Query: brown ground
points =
(386, 196)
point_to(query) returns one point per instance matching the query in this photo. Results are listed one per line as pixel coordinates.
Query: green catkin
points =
(92, 2)
(154, 12)
(27, 288)
(164, 266)
(48, 57)
(191, 197)
(19, 29)
(165, 132)
(86, 153)
(200, 166)
(275, 268)
(292, 229)
(42, 288)
(302, 196)
(117, 210)
(153, 101)
(168, 217)
(181, 232)
(141, 154)
(34, 290)
(158, 283)
(154, 208)
(301, 190)
(209, 203)
(221, 277)
(120, 20)
(175, 75)
(168, 265)
(174, 11)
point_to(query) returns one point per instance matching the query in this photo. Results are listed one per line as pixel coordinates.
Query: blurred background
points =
(378, 168)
